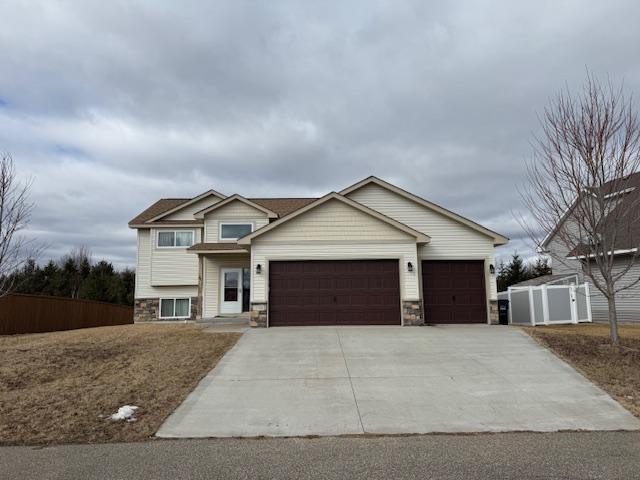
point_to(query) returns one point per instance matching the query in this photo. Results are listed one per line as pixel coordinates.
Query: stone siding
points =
(148, 310)
(494, 318)
(412, 313)
(259, 314)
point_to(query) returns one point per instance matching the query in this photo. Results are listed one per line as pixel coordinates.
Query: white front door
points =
(230, 290)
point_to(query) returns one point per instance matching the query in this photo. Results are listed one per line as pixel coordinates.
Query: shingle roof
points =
(624, 218)
(216, 246)
(161, 206)
(544, 279)
(281, 206)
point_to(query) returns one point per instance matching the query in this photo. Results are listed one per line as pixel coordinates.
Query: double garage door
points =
(334, 292)
(367, 292)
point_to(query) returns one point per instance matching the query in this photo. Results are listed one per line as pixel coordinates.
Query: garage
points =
(454, 291)
(334, 292)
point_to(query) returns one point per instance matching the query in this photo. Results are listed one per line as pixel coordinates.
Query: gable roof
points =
(191, 201)
(497, 238)
(420, 237)
(283, 206)
(543, 280)
(235, 198)
(161, 206)
(628, 237)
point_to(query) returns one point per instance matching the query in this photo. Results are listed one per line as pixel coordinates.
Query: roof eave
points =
(201, 213)
(187, 203)
(420, 237)
(498, 239)
(165, 225)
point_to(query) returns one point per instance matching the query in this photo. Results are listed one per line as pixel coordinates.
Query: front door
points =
(231, 290)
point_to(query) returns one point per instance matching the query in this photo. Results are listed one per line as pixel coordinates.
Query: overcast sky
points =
(112, 105)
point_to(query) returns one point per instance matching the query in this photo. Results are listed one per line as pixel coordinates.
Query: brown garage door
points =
(454, 292)
(334, 292)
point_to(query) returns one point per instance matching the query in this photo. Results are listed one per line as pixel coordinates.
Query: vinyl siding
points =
(235, 211)
(450, 239)
(187, 212)
(211, 279)
(173, 266)
(627, 302)
(262, 252)
(334, 221)
(143, 286)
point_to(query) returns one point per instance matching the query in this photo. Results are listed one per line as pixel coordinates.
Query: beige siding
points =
(173, 266)
(144, 289)
(187, 212)
(261, 253)
(211, 279)
(235, 211)
(334, 221)
(450, 240)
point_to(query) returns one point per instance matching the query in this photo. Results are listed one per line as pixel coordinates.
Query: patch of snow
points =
(125, 412)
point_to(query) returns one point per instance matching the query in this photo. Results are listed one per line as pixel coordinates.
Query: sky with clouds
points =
(112, 105)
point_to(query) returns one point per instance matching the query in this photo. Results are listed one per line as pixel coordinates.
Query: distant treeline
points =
(76, 276)
(516, 271)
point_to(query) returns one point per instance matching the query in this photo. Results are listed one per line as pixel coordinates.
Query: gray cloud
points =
(111, 105)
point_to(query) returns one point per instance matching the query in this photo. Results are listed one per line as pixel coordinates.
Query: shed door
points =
(454, 291)
(334, 292)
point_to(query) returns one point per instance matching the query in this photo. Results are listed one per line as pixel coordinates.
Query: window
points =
(234, 231)
(177, 239)
(175, 308)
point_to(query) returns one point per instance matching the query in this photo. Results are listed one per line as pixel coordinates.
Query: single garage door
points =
(334, 292)
(454, 291)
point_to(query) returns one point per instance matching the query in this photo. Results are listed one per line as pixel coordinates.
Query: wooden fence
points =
(37, 313)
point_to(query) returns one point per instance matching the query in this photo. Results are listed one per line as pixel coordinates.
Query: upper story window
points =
(175, 238)
(233, 231)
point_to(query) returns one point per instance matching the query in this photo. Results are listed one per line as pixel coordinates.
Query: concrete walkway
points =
(387, 380)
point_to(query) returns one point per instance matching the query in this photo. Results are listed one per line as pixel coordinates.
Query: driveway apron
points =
(301, 381)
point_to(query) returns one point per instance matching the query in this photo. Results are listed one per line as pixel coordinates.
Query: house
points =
(569, 262)
(370, 254)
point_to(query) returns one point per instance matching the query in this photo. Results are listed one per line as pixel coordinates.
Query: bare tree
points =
(77, 264)
(15, 211)
(582, 191)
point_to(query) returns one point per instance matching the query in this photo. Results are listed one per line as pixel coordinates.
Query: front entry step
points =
(225, 320)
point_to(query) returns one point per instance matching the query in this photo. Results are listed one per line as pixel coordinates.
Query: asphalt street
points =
(569, 455)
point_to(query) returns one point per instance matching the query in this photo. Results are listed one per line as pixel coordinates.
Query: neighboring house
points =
(371, 254)
(559, 279)
(569, 262)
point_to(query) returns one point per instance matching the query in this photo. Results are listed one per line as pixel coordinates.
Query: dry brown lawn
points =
(587, 348)
(58, 387)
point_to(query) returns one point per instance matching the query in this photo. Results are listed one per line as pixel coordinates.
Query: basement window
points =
(175, 308)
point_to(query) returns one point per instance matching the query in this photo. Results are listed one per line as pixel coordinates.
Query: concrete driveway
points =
(384, 380)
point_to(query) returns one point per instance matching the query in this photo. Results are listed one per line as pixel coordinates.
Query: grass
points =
(58, 387)
(588, 349)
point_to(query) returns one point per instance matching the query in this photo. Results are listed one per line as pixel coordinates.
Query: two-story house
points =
(370, 254)
(568, 262)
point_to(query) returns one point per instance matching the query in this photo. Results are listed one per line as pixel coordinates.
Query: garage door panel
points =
(334, 292)
(454, 291)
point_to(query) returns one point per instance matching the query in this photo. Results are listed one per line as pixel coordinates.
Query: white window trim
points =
(229, 239)
(174, 307)
(175, 232)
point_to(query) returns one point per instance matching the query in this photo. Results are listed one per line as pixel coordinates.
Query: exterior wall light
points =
(258, 269)
(410, 266)
(492, 269)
